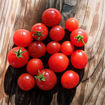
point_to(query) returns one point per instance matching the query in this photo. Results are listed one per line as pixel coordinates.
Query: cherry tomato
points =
(51, 17)
(58, 62)
(69, 79)
(22, 38)
(26, 82)
(34, 65)
(79, 37)
(71, 24)
(18, 57)
(67, 48)
(46, 79)
(79, 59)
(53, 47)
(39, 31)
(37, 49)
(57, 33)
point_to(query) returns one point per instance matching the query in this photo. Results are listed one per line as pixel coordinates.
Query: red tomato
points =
(57, 33)
(51, 17)
(18, 57)
(79, 59)
(22, 38)
(71, 24)
(69, 79)
(58, 62)
(53, 47)
(67, 48)
(26, 82)
(37, 49)
(46, 79)
(39, 31)
(79, 37)
(34, 65)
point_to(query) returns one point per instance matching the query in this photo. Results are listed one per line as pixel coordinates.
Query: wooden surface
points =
(15, 14)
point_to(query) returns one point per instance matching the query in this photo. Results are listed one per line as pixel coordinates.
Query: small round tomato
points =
(37, 49)
(46, 79)
(18, 57)
(26, 82)
(53, 47)
(79, 59)
(22, 38)
(39, 31)
(79, 37)
(57, 33)
(51, 17)
(69, 79)
(71, 24)
(58, 62)
(34, 65)
(67, 48)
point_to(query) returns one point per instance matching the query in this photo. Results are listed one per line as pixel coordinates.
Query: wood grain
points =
(17, 14)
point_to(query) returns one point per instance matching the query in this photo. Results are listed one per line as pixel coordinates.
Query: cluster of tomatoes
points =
(30, 47)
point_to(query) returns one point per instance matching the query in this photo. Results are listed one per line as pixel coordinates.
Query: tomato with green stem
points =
(51, 17)
(79, 59)
(39, 31)
(34, 65)
(22, 38)
(26, 82)
(18, 57)
(79, 37)
(69, 79)
(58, 62)
(46, 79)
(37, 49)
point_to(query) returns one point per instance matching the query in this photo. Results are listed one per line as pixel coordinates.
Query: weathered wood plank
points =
(17, 14)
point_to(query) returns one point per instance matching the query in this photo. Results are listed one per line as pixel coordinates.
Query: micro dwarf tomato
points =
(69, 79)
(34, 65)
(53, 47)
(51, 17)
(39, 31)
(37, 49)
(79, 59)
(26, 82)
(57, 33)
(18, 57)
(67, 48)
(46, 79)
(79, 37)
(71, 24)
(58, 62)
(22, 38)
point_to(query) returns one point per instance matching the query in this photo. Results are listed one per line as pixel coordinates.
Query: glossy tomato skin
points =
(71, 24)
(67, 48)
(34, 65)
(51, 17)
(22, 38)
(50, 80)
(26, 82)
(79, 59)
(58, 62)
(37, 49)
(53, 47)
(57, 33)
(39, 31)
(69, 79)
(18, 62)
(77, 32)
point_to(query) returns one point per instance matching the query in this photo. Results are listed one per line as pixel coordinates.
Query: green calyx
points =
(80, 38)
(19, 53)
(40, 77)
(38, 33)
